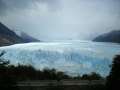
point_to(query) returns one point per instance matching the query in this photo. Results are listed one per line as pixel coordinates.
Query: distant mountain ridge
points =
(9, 37)
(26, 37)
(113, 36)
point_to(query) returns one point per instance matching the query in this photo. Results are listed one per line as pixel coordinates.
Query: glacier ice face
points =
(73, 58)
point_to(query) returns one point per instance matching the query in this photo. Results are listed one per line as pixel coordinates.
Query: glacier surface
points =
(72, 57)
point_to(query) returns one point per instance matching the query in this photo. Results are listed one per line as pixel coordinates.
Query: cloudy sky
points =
(51, 20)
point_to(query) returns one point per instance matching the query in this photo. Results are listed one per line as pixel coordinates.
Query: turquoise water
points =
(73, 57)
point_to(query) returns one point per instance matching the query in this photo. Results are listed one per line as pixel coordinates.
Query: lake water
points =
(72, 57)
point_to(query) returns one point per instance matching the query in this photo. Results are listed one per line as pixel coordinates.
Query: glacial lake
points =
(72, 57)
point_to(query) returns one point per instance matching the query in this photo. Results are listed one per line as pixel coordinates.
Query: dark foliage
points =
(24, 72)
(7, 82)
(113, 80)
(92, 76)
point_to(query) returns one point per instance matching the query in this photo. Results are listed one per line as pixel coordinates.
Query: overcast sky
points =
(61, 19)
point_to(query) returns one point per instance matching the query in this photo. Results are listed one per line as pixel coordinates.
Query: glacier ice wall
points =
(73, 58)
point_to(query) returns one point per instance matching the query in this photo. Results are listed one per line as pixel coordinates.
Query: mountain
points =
(26, 37)
(9, 37)
(113, 36)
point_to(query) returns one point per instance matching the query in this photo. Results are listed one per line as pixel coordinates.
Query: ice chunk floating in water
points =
(73, 57)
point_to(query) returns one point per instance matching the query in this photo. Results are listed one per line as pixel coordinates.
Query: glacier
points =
(72, 57)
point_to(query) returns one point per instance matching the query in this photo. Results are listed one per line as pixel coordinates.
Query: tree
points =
(6, 81)
(92, 76)
(2, 62)
(113, 80)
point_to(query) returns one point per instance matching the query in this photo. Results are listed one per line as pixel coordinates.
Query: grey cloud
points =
(3, 7)
(16, 5)
(61, 19)
(11, 5)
